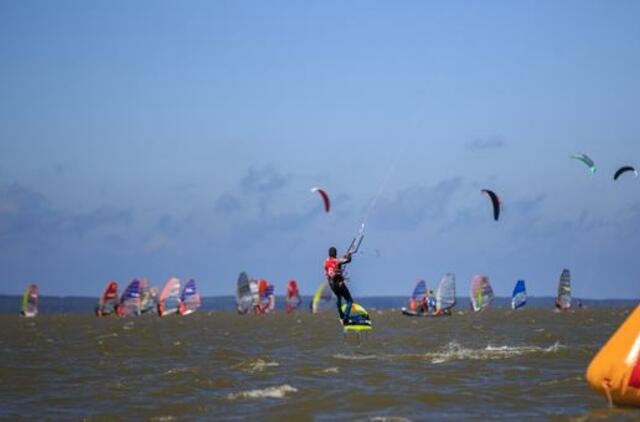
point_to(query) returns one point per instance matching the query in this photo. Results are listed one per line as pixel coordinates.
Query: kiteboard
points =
(359, 319)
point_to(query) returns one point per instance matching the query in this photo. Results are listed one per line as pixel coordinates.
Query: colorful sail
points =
(271, 298)
(131, 299)
(519, 296)
(419, 295)
(446, 293)
(108, 300)
(321, 298)
(267, 298)
(563, 300)
(30, 301)
(293, 296)
(149, 300)
(481, 293)
(189, 298)
(246, 293)
(169, 298)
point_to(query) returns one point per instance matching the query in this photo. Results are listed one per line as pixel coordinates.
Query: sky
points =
(162, 139)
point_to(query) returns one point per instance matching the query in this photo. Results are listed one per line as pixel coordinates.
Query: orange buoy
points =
(615, 371)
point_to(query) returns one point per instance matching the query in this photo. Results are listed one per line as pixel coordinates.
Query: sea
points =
(529, 364)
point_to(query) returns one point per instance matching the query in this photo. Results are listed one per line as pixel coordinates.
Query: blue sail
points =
(519, 297)
(131, 299)
(420, 291)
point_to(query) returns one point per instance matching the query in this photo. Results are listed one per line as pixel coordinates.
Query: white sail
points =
(446, 292)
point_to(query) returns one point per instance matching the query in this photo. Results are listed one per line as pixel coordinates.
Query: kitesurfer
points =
(333, 270)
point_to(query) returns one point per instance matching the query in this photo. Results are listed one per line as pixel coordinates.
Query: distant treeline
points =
(74, 304)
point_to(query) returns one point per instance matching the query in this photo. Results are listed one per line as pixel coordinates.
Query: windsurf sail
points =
(519, 296)
(418, 296)
(446, 293)
(131, 299)
(190, 298)
(293, 296)
(108, 300)
(321, 298)
(246, 293)
(481, 293)
(30, 301)
(267, 298)
(149, 299)
(563, 300)
(271, 297)
(169, 298)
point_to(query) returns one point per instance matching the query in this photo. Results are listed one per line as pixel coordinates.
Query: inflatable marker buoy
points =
(615, 371)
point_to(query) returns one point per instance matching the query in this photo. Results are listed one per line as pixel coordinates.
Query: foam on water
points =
(278, 392)
(453, 351)
(252, 366)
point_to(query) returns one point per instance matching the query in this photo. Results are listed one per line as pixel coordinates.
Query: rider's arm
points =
(345, 259)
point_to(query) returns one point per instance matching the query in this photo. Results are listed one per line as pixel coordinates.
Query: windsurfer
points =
(333, 270)
(431, 301)
(423, 305)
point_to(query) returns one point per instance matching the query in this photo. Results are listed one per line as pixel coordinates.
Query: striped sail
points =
(190, 298)
(563, 300)
(246, 291)
(131, 299)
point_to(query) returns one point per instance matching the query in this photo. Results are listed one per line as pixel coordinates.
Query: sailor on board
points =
(333, 270)
(431, 302)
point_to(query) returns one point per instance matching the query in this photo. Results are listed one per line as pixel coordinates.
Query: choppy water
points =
(499, 363)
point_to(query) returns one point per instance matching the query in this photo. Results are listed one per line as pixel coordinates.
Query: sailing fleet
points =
(139, 298)
(258, 296)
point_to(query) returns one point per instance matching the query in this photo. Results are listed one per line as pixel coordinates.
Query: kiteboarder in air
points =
(333, 270)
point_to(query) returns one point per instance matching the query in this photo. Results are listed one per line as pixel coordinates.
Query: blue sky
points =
(181, 139)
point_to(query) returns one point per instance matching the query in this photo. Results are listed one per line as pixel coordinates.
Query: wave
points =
(252, 366)
(453, 351)
(278, 392)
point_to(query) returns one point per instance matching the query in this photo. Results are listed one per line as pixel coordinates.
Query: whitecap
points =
(278, 392)
(256, 365)
(454, 351)
(354, 357)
